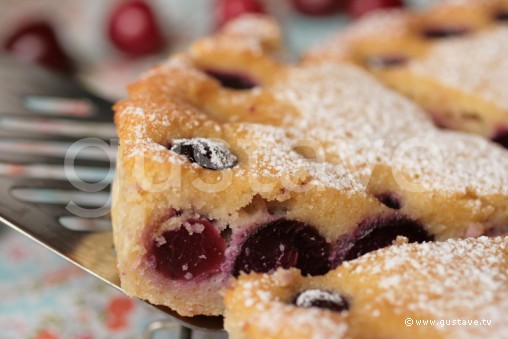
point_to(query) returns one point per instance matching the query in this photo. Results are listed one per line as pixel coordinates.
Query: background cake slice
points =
(451, 59)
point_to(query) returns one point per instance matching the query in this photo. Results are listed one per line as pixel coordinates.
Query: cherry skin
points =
(134, 30)
(38, 43)
(358, 8)
(501, 16)
(227, 10)
(232, 80)
(375, 233)
(501, 138)
(183, 255)
(444, 32)
(284, 243)
(390, 200)
(317, 7)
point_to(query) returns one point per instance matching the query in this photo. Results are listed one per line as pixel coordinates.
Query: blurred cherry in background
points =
(227, 10)
(38, 42)
(318, 7)
(133, 29)
(358, 8)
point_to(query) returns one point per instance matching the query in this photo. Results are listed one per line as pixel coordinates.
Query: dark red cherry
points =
(358, 8)
(379, 232)
(444, 32)
(390, 200)
(497, 231)
(501, 16)
(233, 80)
(322, 299)
(183, 254)
(133, 29)
(38, 43)
(317, 7)
(227, 10)
(386, 61)
(207, 153)
(284, 243)
(501, 138)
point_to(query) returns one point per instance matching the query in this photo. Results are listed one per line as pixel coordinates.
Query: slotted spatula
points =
(57, 150)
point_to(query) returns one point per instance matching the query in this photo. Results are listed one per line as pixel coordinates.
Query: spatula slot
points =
(73, 174)
(51, 196)
(58, 127)
(85, 225)
(75, 107)
(89, 151)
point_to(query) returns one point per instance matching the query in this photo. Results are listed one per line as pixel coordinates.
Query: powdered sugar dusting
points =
(322, 326)
(390, 21)
(384, 128)
(272, 314)
(214, 153)
(446, 280)
(484, 71)
(456, 279)
(307, 297)
(358, 123)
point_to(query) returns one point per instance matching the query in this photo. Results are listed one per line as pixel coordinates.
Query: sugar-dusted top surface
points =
(475, 64)
(456, 279)
(393, 22)
(352, 122)
(465, 279)
(362, 123)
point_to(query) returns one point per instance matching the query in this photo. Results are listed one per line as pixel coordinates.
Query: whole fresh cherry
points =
(38, 42)
(358, 8)
(229, 9)
(318, 7)
(133, 28)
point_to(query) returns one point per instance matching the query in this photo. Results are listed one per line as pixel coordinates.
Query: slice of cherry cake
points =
(231, 160)
(451, 59)
(451, 289)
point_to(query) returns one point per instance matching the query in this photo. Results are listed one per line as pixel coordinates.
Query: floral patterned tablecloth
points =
(44, 297)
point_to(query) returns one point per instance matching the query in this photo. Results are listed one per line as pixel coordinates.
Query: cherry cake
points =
(232, 161)
(459, 287)
(451, 59)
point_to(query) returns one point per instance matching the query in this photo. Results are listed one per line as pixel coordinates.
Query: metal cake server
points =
(42, 116)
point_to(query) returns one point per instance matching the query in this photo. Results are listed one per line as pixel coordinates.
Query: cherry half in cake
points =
(390, 200)
(501, 138)
(386, 61)
(193, 251)
(197, 249)
(284, 243)
(501, 16)
(232, 80)
(376, 233)
(443, 32)
(321, 299)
